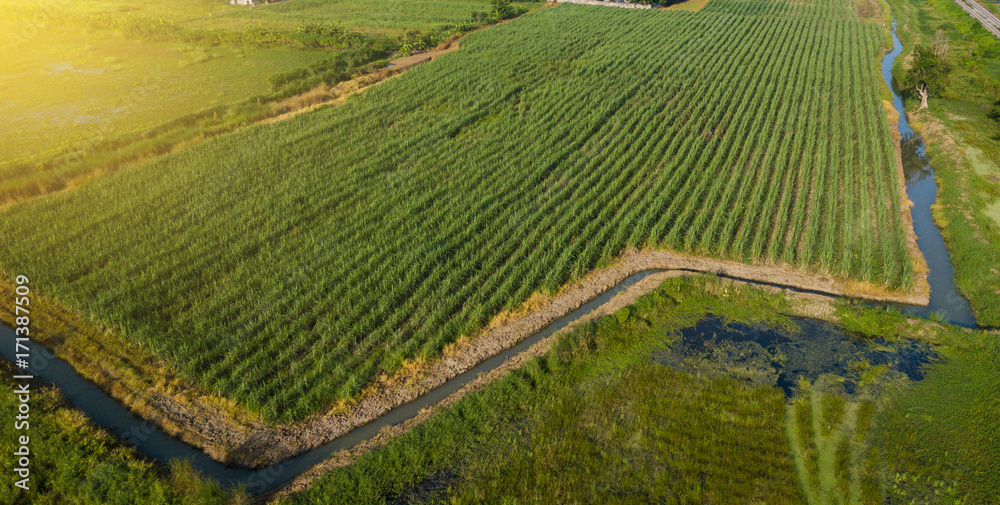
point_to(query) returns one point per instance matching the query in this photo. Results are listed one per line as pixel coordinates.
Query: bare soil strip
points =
(331, 96)
(263, 445)
(260, 445)
(600, 3)
(346, 457)
(689, 5)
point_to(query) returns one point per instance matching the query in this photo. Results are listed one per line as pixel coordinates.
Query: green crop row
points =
(287, 265)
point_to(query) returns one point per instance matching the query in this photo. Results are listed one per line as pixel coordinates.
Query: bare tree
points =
(939, 44)
(928, 73)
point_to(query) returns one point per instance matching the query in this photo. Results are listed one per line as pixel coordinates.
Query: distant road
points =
(989, 21)
(624, 5)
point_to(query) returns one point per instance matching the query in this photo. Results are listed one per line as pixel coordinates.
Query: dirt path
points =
(622, 5)
(335, 95)
(261, 445)
(414, 59)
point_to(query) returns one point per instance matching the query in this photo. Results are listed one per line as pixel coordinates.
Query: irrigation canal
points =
(158, 445)
(922, 190)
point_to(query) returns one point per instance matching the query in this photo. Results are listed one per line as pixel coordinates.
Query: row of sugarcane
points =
(288, 265)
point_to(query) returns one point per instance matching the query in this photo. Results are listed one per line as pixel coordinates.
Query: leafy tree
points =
(994, 112)
(501, 9)
(928, 72)
(405, 48)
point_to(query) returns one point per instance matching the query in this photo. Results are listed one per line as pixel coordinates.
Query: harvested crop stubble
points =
(287, 265)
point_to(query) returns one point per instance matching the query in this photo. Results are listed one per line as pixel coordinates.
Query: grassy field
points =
(69, 88)
(91, 86)
(73, 461)
(937, 440)
(962, 145)
(595, 421)
(372, 17)
(940, 438)
(336, 245)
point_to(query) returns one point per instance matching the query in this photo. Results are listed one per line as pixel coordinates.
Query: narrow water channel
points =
(107, 412)
(158, 445)
(922, 190)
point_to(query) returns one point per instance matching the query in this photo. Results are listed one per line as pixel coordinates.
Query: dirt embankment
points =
(261, 445)
(265, 445)
(304, 480)
(230, 435)
(920, 268)
(803, 304)
(622, 5)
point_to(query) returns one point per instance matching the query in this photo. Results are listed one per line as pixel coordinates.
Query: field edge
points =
(230, 434)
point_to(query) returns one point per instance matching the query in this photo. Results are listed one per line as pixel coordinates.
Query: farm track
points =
(599, 3)
(342, 91)
(981, 14)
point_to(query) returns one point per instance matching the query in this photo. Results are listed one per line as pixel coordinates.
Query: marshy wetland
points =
(676, 357)
(656, 400)
(782, 357)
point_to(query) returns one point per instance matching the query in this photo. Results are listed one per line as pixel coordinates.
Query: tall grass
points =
(830, 441)
(595, 421)
(941, 437)
(73, 461)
